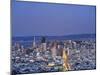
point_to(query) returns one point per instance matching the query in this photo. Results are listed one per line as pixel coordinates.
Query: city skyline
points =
(34, 18)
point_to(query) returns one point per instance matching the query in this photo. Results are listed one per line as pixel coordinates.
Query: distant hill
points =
(82, 36)
(71, 37)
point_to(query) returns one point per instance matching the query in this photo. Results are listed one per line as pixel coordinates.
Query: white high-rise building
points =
(22, 48)
(34, 43)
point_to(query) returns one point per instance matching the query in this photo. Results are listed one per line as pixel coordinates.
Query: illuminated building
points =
(66, 65)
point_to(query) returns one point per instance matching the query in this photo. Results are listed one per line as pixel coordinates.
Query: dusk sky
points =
(33, 18)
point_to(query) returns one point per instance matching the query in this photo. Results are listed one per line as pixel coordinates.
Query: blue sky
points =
(34, 18)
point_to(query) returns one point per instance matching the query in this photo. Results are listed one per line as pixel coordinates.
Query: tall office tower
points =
(70, 44)
(58, 46)
(34, 43)
(22, 48)
(59, 50)
(74, 45)
(43, 43)
(17, 46)
(54, 50)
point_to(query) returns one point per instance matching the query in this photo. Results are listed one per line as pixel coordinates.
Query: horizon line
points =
(51, 35)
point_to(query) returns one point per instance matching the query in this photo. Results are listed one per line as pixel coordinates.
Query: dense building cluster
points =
(53, 56)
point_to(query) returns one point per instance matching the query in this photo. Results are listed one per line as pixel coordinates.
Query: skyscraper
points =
(34, 43)
(54, 50)
(43, 43)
